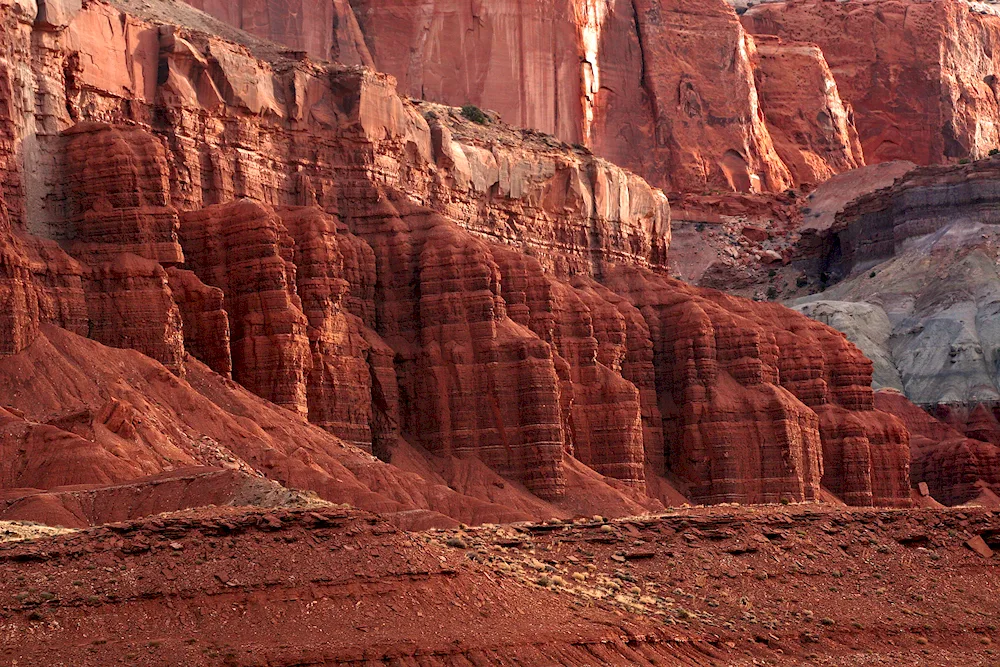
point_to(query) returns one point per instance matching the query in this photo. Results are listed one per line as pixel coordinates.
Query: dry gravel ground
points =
(18, 531)
(797, 585)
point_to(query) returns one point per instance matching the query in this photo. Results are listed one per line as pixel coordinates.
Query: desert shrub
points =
(456, 543)
(473, 113)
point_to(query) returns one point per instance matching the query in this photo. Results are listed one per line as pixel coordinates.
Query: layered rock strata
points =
(244, 250)
(920, 283)
(954, 465)
(497, 297)
(759, 404)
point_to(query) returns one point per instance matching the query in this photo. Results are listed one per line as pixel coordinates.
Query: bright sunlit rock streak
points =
(590, 17)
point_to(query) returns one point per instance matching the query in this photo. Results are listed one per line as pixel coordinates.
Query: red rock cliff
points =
(674, 76)
(400, 275)
(921, 76)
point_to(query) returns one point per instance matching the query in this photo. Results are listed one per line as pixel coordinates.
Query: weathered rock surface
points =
(867, 326)
(921, 76)
(326, 29)
(759, 405)
(441, 293)
(919, 257)
(244, 250)
(953, 464)
(18, 299)
(117, 187)
(675, 77)
(130, 306)
(204, 318)
(812, 130)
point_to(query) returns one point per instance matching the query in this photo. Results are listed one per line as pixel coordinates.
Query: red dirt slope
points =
(702, 587)
(78, 413)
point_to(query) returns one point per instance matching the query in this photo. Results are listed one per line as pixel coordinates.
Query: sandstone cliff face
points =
(812, 130)
(327, 29)
(921, 77)
(676, 77)
(758, 404)
(954, 465)
(401, 276)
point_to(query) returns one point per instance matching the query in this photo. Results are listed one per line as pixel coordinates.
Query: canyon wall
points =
(679, 78)
(920, 76)
(955, 460)
(327, 29)
(406, 279)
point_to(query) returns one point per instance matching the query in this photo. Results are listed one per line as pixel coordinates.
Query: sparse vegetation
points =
(457, 543)
(474, 114)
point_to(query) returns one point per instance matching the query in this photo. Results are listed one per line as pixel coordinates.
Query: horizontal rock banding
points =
(403, 277)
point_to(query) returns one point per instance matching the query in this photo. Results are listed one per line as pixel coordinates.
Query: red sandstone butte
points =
(921, 76)
(280, 241)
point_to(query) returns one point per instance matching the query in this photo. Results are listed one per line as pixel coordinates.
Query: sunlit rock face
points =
(681, 79)
(397, 274)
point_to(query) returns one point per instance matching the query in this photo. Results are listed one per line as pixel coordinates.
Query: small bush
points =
(457, 543)
(801, 281)
(772, 293)
(994, 151)
(473, 113)
(964, 160)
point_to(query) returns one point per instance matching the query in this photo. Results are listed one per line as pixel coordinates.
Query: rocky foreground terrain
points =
(726, 586)
(303, 365)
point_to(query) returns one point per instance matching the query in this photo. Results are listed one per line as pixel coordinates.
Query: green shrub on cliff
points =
(475, 114)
